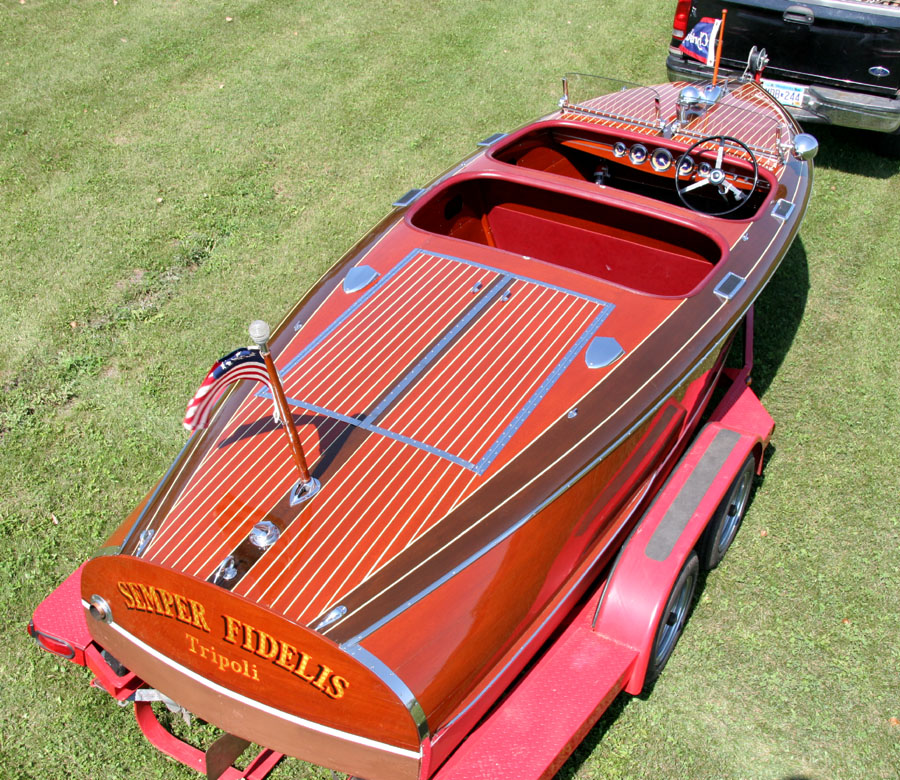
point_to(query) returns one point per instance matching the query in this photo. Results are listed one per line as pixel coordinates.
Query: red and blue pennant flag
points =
(243, 363)
(700, 42)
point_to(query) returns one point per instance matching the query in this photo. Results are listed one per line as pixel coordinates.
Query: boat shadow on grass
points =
(778, 314)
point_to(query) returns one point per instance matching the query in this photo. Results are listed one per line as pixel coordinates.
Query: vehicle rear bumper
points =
(824, 105)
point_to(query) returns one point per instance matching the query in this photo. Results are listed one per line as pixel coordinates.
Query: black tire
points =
(673, 618)
(724, 524)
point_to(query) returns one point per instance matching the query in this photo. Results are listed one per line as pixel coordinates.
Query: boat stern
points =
(248, 671)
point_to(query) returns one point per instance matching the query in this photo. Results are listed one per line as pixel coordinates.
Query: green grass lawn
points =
(172, 170)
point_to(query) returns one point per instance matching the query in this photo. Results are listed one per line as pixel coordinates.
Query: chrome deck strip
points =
(401, 690)
(542, 390)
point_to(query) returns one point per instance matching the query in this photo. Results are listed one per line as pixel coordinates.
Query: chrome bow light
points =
(805, 146)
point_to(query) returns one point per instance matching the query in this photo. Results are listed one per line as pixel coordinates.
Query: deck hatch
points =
(517, 335)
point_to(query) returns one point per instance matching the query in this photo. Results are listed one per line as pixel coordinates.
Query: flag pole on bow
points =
(308, 485)
(715, 77)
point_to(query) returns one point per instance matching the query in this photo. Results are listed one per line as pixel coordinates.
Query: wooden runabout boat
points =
(487, 391)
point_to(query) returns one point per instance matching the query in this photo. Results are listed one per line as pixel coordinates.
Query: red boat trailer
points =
(607, 646)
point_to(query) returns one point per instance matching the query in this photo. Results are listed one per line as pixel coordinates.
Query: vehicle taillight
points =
(679, 26)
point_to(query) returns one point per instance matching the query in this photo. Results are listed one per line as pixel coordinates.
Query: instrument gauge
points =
(637, 154)
(705, 169)
(685, 165)
(661, 160)
(620, 149)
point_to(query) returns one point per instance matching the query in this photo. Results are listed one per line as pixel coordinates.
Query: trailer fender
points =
(631, 605)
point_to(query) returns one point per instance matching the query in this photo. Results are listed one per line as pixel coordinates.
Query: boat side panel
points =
(463, 631)
(455, 635)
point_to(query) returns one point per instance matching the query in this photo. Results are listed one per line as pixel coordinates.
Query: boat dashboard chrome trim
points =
(389, 677)
(693, 103)
(637, 154)
(661, 159)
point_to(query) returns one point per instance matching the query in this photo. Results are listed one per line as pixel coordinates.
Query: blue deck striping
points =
(357, 304)
(544, 388)
(410, 377)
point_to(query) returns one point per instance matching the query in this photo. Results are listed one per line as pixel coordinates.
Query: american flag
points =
(243, 363)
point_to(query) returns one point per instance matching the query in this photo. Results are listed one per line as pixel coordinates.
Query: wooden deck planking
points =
(364, 356)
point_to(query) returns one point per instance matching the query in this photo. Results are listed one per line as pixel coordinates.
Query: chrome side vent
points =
(782, 209)
(408, 198)
(491, 139)
(359, 278)
(603, 351)
(728, 287)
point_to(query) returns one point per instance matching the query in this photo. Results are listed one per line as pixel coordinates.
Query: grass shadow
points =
(779, 311)
(865, 153)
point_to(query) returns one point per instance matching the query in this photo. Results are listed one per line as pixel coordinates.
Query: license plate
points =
(786, 94)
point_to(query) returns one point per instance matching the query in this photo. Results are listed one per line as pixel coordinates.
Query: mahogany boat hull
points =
(491, 388)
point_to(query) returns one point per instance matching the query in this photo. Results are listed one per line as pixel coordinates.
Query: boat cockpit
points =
(636, 250)
(652, 167)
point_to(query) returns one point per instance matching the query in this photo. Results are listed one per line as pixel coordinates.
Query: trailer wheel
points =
(724, 524)
(673, 618)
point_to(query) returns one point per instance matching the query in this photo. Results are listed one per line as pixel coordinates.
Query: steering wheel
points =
(714, 176)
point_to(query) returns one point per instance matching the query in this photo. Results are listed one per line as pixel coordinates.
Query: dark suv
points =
(831, 61)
